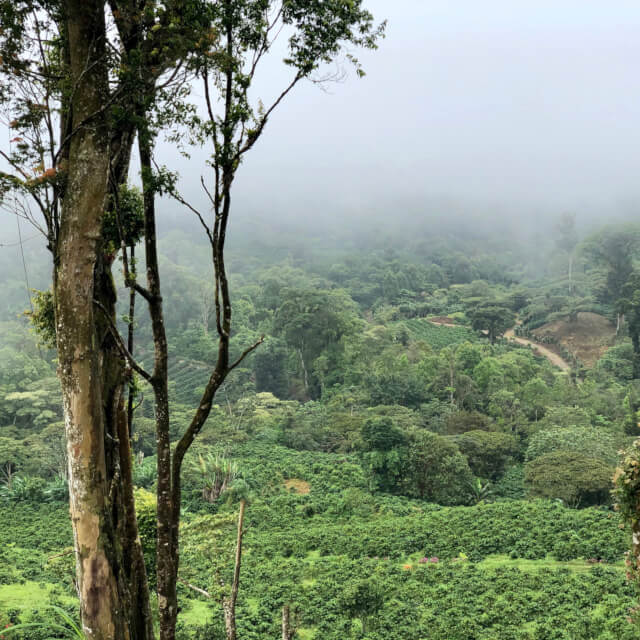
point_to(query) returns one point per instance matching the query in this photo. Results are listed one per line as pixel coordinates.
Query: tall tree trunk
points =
(128, 558)
(79, 362)
(288, 630)
(305, 375)
(571, 273)
(229, 604)
(451, 382)
(130, 342)
(168, 518)
(132, 568)
(635, 341)
(109, 570)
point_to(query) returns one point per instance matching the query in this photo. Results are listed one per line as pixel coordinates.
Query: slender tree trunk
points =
(285, 623)
(305, 375)
(571, 273)
(119, 413)
(635, 340)
(133, 569)
(167, 559)
(128, 557)
(632, 560)
(130, 342)
(288, 632)
(451, 382)
(229, 604)
(169, 488)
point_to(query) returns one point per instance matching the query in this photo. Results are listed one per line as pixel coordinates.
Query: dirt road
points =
(540, 349)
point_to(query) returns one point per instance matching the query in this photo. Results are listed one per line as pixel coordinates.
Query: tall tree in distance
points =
(612, 249)
(567, 240)
(492, 318)
(311, 322)
(629, 304)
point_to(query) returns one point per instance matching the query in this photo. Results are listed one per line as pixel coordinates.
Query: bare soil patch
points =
(443, 320)
(298, 486)
(588, 338)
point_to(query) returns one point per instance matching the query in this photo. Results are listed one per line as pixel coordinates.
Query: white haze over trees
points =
(497, 108)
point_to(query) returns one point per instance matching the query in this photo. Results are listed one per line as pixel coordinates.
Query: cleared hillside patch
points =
(301, 487)
(588, 338)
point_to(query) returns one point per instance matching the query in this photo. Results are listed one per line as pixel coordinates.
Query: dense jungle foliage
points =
(410, 471)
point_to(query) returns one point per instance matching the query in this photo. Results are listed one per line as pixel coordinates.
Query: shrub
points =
(355, 502)
(144, 472)
(381, 434)
(565, 416)
(23, 489)
(362, 600)
(618, 362)
(57, 490)
(216, 473)
(385, 453)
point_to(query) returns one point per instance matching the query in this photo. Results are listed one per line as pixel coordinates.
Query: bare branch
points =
(206, 190)
(23, 173)
(120, 343)
(106, 106)
(176, 196)
(60, 555)
(263, 121)
(145, 293)
(171, 77)
(212, 116)
(17, 244)
(202, 592)
(245, 353)
(41, 205)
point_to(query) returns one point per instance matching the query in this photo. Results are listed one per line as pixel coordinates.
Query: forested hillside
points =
(408, 471)
(319, 320)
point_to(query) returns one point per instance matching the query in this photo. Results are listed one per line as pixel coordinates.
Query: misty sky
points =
(525, 107)
(528, 104)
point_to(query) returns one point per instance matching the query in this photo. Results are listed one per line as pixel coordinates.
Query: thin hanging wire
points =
(20, 242)
(15, 244)
(24, 264)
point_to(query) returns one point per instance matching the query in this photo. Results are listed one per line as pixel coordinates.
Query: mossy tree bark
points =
(110, 574)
